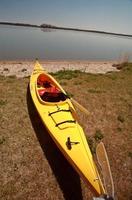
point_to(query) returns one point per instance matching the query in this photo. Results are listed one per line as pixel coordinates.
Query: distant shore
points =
(23, 68)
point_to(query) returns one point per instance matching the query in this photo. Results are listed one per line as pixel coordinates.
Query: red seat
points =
(41, 91)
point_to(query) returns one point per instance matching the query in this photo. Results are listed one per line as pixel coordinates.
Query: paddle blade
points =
(80, 107)
(105, 166)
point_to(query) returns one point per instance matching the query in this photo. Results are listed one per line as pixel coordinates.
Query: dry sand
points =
(24, 68)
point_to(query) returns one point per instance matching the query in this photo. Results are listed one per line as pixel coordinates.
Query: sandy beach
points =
(24, 68)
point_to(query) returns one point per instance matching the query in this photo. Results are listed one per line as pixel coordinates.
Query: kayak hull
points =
(60, 119)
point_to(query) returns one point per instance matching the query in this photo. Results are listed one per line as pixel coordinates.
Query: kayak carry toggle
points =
(69, 143)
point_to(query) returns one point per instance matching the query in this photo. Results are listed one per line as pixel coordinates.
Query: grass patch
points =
(91, 77)
(6, 70)
(124, 66)
(66, 74)
(92, 144)
(63, 83)
(130, 154)
(23, 70)
(98, 135)
(77, 83)
(2, 140)
(127, 67)
(26, 77)
(119, 129)
(94, 90)
(93, 140)
(113, 77)
(69, 94)
(1, 77)
(120, 118)
(3, 102)
(12, 77)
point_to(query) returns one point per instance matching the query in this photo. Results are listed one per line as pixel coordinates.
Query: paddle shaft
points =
(84, 110)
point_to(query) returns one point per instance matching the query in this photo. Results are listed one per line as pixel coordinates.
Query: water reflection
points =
(29, 43)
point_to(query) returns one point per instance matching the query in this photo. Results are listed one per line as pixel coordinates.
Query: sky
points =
(107, 15)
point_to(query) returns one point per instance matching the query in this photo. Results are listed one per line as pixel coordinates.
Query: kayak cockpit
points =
(51, 97)
(48, 91)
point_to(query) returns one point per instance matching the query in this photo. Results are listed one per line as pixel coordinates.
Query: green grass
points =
(3, 102)
(98, 135)
(26, 169)
(94, 140)
(122, 65)
(63, 83)
(69, 94)
(66, 74)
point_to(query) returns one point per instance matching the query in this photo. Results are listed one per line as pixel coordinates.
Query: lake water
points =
(30, 43)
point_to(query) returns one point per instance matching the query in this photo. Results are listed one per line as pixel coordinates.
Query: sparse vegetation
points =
(69, 94)
(120, 65)
(3, 102)
(113, 76)
(119, 129)
(12, 77)
(63, 83)
(23, 70)
(77, 83)
(124, 61)
(6, 70)
(2, 140)
(28, 168)
(66, 74)
(98, 135)
(130, 154)
(92, 144)
(94, 90)
(93, 140)
(120, 118)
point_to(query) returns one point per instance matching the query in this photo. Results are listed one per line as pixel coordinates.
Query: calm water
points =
(25, 43)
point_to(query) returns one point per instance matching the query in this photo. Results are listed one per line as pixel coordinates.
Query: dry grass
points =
(31, 165)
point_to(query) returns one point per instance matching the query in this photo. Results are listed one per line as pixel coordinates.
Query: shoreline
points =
(57, 60)
(23, 68)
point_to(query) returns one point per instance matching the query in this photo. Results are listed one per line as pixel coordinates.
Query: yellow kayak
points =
(60, 118)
